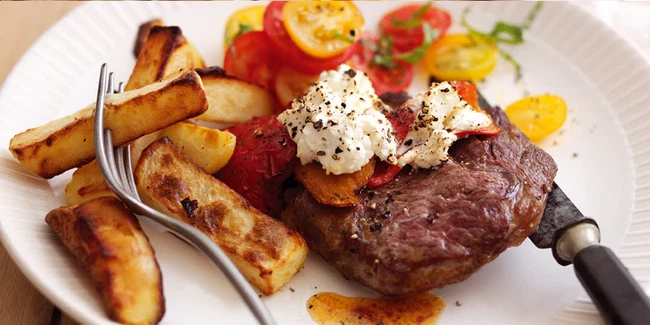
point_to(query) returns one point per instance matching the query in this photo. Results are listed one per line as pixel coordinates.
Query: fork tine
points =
(119, 164)
(110, 156)
(129, 175)
(111, 82)
(100, 148)
(120, 87)
(123, 161)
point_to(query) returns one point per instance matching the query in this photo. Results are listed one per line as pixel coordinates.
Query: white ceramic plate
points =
(603, 154)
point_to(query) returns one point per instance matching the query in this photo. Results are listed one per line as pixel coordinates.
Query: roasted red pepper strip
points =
(384, 173)
(490, 130)
(402, 118)
(263, 158)
(467, 91)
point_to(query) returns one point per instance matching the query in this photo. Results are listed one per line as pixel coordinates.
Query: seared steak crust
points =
(430, 228)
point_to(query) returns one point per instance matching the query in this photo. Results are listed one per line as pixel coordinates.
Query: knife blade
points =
(559, 213)
(574, 239)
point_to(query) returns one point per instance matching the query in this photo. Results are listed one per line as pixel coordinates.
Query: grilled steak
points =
(434, 227)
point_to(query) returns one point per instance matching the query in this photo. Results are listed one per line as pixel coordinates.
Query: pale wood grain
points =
(21, 23)
(20, 303)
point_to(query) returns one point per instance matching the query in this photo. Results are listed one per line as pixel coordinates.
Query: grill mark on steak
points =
(460, 215)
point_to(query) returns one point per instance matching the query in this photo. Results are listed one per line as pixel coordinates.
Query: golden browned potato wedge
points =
(233, 100)
(107, 240)
(209, 148)
(267, 252)
(66, 143)
(143, 34)
(166, 51)
(87, 183)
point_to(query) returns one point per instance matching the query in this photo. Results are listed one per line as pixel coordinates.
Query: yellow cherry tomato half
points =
(243, 20)
(323, 29)
(538, 116)
(459, 57)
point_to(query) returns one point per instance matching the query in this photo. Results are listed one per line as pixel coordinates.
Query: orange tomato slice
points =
(323, 29)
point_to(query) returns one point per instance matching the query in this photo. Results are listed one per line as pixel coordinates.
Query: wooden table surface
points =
(21, 23)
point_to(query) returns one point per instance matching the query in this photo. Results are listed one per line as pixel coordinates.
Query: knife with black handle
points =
(575, 239)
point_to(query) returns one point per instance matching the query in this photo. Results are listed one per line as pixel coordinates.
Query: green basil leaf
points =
(385, 61)
(507, 33)
(414, 20)
(416, 55)
(243, 29)
(514, 63)
(385, 45)
(472, 31)
(531, 15)
(504, 33)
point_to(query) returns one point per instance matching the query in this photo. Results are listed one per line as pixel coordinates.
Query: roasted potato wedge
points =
(166, 51)
(233, 100)
(209, 148)
(87, 183)
(107, 240)
(66, 143)
(143, 34)
(337, 190)
(267, 252)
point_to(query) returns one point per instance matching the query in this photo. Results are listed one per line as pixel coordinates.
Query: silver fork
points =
(115, 164)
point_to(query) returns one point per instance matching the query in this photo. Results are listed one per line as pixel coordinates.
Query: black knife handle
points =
(618, 297)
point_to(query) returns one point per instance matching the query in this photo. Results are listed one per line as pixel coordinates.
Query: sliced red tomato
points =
(290, 83)
(404, 24)
(395, 79)
(263, 158)
(249, 58)
(289, 51)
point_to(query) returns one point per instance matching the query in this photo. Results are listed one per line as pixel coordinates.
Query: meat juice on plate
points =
(417, 309)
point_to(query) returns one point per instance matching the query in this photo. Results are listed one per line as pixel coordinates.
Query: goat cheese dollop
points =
(339, 123)
(442, 114)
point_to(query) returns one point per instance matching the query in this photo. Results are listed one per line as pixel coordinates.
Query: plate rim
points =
(58, 299)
